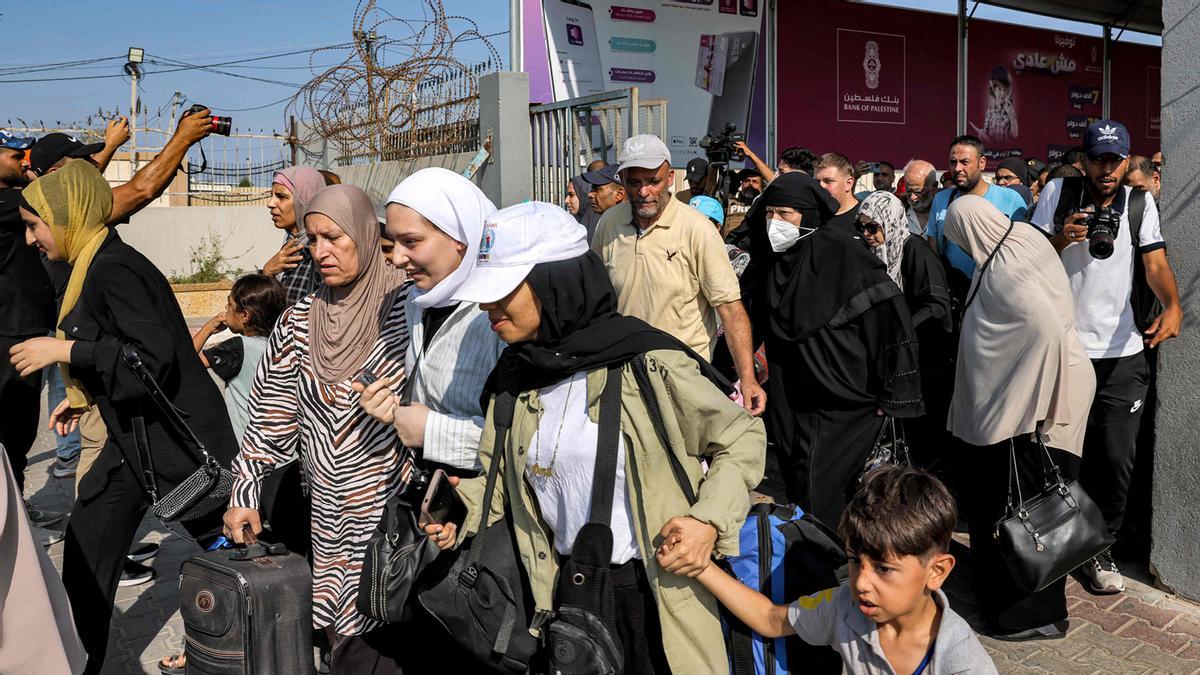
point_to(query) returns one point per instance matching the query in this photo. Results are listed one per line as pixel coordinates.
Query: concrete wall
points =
(378, 179)
(168, 234)
(1176, 496)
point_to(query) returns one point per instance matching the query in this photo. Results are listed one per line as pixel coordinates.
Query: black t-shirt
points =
(847, 222)
(26, 295)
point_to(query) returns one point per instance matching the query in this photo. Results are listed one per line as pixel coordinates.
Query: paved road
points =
(1142, 631)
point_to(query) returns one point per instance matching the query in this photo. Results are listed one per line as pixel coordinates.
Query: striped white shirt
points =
(449, 378)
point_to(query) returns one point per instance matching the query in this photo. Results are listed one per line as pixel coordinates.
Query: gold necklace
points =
(548, 471)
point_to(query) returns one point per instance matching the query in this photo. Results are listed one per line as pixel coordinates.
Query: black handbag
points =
(582, 638)
(207, 489)
(1056, 530)
(398, 552)
(890, 447)
(479, 593)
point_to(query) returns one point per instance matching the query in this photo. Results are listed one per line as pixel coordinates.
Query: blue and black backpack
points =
(785, 554)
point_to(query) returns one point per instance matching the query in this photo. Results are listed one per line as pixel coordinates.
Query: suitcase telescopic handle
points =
(254, 548)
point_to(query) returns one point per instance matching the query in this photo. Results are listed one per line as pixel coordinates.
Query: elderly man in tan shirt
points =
(669, 265)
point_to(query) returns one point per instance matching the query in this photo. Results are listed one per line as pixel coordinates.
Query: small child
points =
(891, 616)
(254, 305)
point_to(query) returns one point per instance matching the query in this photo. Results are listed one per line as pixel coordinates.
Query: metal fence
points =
(569, 135)
(437, 116)
(234, 169)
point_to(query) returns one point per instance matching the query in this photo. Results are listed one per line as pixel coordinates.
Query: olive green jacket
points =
(701, 423)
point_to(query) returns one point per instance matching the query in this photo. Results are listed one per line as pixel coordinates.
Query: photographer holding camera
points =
(1097, 224)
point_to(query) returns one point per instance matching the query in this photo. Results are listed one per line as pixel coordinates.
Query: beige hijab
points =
(1019, 360)
(345, 321)
(37, 634)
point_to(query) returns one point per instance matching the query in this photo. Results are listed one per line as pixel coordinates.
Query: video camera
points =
(721, 148)
(220, 125)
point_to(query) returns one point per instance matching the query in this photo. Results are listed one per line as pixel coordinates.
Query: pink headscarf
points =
(304, 182)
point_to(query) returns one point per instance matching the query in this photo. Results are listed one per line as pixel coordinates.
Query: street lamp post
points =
(133, 68)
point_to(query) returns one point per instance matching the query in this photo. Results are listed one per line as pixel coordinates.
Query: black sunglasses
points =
(868, 228)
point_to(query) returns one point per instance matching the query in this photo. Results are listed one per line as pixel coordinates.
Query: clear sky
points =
(208, 32)
(218, 31)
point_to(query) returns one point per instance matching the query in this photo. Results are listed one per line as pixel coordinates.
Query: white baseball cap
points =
(514, 240)
(644, 151)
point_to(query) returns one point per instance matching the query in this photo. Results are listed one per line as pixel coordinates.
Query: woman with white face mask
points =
(839, 343)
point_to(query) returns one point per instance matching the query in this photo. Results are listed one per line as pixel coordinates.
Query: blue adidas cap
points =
(1106, 137)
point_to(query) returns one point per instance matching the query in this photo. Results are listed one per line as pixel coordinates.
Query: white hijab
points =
(455, 206)
(1020, 360)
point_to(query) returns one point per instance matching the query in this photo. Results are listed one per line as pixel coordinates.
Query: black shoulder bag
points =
(582, 638)
(1044, 537)
(481, 597)
(398, 552)
(888, 451)
(207, 488)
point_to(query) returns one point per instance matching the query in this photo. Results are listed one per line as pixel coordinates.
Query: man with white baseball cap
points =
(669, 265)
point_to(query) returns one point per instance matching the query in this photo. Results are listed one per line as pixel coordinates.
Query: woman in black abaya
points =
(839, 341)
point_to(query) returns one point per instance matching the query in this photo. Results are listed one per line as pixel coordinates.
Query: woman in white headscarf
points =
(1021, 369)
(436, 216)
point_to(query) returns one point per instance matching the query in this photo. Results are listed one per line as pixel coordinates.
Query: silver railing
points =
(568, 135)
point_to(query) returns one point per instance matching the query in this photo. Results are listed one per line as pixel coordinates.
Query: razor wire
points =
(366, 109)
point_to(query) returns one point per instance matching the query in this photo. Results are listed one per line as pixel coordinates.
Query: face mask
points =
(784, 235)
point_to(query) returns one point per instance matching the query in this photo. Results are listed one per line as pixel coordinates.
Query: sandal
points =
(175, 664)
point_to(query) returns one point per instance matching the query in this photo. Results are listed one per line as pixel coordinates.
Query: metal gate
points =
(568, 135)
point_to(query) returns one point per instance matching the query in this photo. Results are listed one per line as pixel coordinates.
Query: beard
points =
(747, 195)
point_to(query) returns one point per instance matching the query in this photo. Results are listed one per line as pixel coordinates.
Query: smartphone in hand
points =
(367, 378)
(441, 504)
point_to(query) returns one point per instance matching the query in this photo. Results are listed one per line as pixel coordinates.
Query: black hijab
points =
(580, 331)
(800, 291)
(1018, 167)
(586, 216)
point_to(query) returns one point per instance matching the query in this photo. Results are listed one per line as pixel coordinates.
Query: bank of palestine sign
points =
(871, 76)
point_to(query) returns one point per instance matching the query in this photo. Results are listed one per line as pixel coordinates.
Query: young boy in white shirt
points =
(891, 616)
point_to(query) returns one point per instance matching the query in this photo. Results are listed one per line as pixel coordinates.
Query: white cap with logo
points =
(514, 240)
(644, 151)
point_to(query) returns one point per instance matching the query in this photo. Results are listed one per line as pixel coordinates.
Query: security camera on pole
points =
(133, 68)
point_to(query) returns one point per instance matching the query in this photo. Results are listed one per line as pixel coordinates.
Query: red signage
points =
(892, 77)
(871, 77)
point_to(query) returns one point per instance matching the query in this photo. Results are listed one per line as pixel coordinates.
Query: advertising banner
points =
(701, 55)
(871, 82)
(877, 83)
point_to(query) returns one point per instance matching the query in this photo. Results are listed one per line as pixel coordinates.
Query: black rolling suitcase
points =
(247, 612)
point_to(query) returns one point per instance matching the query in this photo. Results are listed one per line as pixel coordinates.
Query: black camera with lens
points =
(220, 125)
(1103, 226)
(722, 148)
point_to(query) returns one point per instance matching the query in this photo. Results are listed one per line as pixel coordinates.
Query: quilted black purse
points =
(207, 488)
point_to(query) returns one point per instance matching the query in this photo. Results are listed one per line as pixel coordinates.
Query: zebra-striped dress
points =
(349, 458)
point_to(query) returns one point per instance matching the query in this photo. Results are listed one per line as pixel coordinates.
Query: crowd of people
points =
(757, 331)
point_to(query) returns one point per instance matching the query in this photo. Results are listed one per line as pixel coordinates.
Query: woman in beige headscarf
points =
(303, 405)
(1021, 368)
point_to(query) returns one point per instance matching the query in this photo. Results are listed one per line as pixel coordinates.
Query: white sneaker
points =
(1102, 575)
